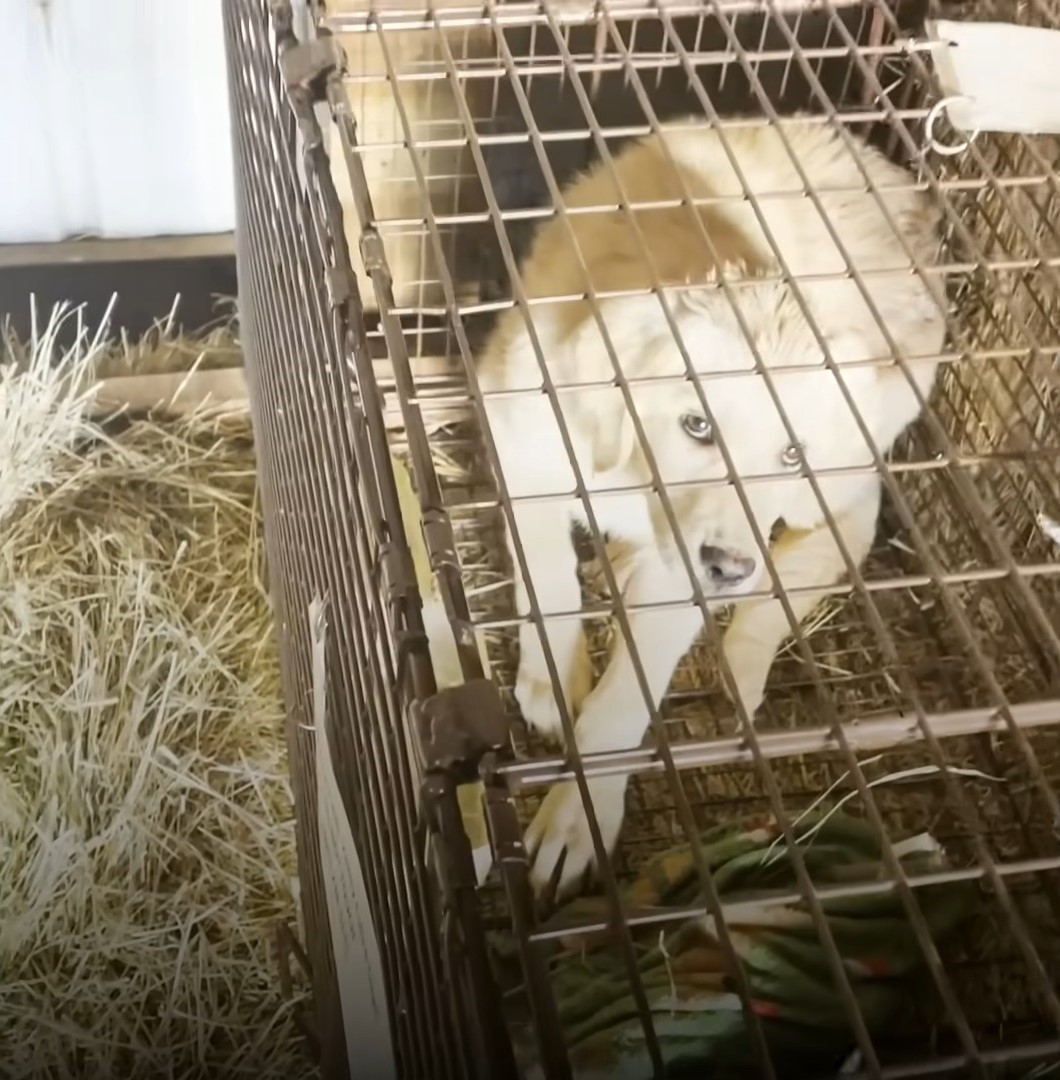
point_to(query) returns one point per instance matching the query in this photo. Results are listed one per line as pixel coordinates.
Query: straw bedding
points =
(146, 825)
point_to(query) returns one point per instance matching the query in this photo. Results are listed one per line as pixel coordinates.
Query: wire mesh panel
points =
(321, 434)
(728, 382)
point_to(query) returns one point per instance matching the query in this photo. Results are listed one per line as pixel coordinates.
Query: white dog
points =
(618, 250)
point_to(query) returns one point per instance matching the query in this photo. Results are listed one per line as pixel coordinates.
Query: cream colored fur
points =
(614, 714)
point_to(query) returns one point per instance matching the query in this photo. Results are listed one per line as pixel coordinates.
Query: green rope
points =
(691, 990)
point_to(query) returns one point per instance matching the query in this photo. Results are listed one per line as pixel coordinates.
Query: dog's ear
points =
(614, 437)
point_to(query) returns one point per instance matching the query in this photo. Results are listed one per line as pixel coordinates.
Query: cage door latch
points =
(459, 725)
(305, 66)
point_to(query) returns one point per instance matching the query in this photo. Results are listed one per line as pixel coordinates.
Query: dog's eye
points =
(790, 456)
(698, 428)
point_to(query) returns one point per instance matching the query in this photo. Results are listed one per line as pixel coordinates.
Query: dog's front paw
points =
(750, 666)
(559, 840)
(534, 691)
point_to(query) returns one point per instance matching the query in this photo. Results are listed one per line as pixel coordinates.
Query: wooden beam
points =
(225, 390)
(178, 393)
(140, 249)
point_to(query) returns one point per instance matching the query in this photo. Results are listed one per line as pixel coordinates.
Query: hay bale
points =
(146, 824)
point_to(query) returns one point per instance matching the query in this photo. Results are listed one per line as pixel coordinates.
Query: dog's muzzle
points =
(724, 568)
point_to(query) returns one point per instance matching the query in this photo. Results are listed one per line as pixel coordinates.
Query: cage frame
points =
(296, 70)
(463, 732)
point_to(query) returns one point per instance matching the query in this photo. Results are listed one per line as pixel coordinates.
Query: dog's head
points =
(719, 441)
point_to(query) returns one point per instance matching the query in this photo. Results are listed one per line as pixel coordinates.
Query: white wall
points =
(113, 119)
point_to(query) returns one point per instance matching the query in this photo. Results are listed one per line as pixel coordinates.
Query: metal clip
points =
(373, 253)
(307, 64)
(399, 575)
(459, 725)
(438, 536)
(339, 285)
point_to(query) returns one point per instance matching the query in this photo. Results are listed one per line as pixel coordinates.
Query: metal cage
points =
(393, 163)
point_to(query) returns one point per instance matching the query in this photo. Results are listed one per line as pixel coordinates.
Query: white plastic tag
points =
(999, 77)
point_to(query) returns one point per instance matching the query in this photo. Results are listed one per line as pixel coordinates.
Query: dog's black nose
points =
(725, 567)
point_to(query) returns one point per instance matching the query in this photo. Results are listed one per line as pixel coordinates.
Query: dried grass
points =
(146, 824)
